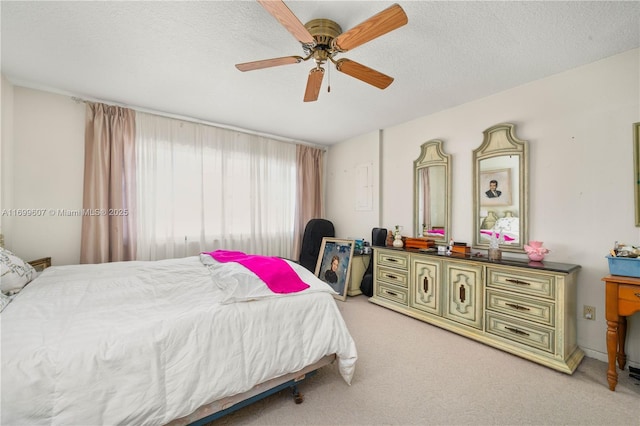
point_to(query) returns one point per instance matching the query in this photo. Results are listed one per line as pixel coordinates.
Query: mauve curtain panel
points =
(108, 222)
(309, 162)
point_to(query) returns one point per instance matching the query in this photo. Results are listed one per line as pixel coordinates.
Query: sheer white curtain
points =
(202, 188)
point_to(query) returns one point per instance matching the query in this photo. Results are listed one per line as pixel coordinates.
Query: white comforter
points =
(148, 342)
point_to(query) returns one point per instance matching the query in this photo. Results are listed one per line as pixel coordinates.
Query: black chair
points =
(378, 237)
(314, 232)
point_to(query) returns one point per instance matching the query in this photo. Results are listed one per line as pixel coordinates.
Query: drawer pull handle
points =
(637, 294)
(391, 259)
(518, 307)
(425, 284)
(516, 331)
(393, 277)
(463, 294)
(392, 293)
(510, 280)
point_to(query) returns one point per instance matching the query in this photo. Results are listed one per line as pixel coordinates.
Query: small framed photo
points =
(334, 264)
(495, 187)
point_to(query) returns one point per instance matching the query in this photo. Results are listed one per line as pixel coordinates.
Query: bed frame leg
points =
(297, 396)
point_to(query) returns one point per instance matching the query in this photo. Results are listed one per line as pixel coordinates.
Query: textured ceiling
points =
(178, 57)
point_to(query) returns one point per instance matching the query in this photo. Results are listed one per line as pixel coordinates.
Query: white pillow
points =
(15, 272)
(4, 301)
(508, 224)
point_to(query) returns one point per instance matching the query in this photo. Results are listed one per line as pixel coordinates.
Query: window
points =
(200, 188)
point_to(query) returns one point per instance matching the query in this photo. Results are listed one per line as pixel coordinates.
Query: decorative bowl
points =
(535, 244)
(536, 257)
(535, 251)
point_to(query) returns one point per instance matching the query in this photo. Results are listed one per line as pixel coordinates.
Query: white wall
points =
(6, 149)
(44, 152)
(579, 127)
(342, 161)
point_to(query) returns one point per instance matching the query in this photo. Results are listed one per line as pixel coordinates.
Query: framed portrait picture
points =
(334, 264)
(495, 187)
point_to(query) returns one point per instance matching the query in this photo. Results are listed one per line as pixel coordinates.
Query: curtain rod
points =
(198, 121)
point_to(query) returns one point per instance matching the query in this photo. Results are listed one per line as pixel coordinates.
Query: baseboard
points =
(600, 356)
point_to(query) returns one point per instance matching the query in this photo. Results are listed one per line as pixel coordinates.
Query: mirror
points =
(500, 197)
(432, 197)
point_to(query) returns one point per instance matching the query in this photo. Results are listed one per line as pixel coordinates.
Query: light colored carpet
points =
(412, 373)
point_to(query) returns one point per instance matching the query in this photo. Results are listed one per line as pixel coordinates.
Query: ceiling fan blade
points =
(285, 16)
(266, 63)
(313, 84)
(388, 20)
(364, 73)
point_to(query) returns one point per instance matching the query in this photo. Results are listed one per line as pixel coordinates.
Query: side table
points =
(40, 264)
(359, 264)
(622, 300)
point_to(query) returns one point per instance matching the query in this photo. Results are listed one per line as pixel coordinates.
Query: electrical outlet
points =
(589, 312)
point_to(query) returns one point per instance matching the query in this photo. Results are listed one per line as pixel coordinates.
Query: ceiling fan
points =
(323, 39)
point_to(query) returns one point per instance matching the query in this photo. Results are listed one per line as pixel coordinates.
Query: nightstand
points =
(40, 264)
(359, 264)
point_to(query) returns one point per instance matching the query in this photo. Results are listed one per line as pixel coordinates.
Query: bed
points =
(494, 227)
(436, 232)
(160, 342)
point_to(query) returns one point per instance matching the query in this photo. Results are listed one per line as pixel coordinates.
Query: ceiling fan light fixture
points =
(323, 31)
(322, 39)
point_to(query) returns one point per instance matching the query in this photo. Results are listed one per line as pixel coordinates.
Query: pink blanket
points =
(274, 271)
(489, 233)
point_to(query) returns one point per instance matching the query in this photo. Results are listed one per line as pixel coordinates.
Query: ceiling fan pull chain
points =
(329, 80)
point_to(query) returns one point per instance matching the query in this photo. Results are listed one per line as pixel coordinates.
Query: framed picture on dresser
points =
(334, 264)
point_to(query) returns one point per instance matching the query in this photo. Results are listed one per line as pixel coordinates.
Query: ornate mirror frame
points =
(636, 169)
(432, 159)
(502, 157)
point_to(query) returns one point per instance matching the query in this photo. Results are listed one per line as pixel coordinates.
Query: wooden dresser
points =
(525, 308)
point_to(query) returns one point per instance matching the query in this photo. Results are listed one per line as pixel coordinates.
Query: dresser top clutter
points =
(565, 268)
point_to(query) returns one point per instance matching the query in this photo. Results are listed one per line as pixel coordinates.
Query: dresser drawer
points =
(523, 332)
(534, 284)
(522, 307)
(389, 292)
(393, 276)
(393, 260)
